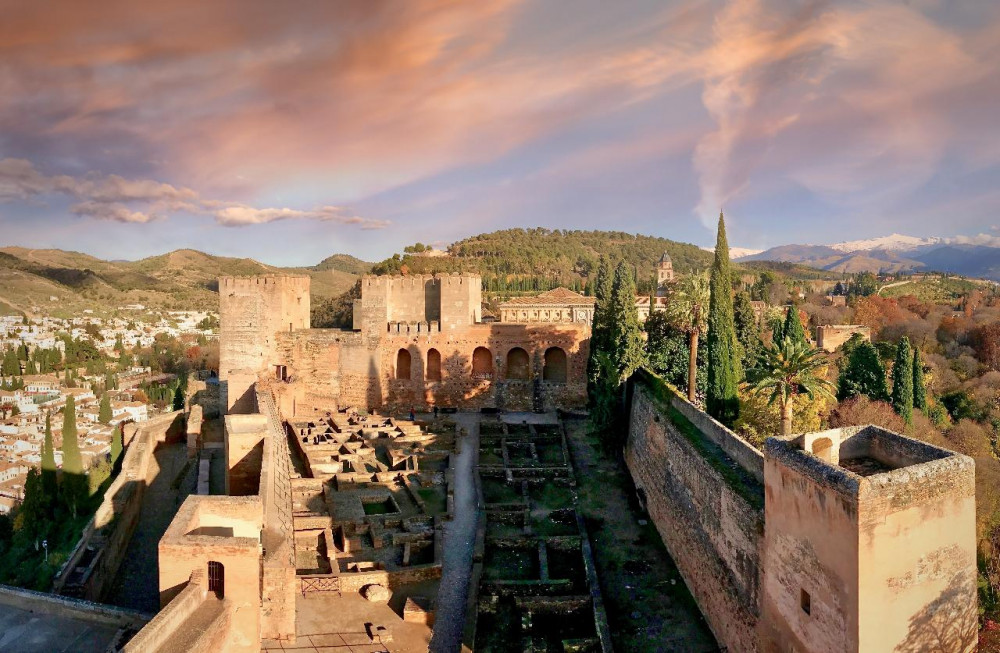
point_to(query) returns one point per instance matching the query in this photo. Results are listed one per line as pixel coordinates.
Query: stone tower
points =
(664, 274)
(869, 544)
(252, 310)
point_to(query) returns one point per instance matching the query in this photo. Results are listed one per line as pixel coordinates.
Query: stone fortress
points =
(418, 341)
(848, 540)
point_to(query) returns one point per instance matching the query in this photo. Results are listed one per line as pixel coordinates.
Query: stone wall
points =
(114, 521)
(278, 586)
(342, 368)
(831, 336)
(711, 523)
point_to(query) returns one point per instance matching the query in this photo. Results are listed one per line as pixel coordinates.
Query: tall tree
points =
(793, 326)
(902, 381)
(625, 335)
(919, 388)
(11, 365)
(722, 401)
(104, 414)
(864, 374)
(599, 323)
(74, 482)
(787, 370)
(687, 310)
(116, 445)
(747, 331)
(50, 480)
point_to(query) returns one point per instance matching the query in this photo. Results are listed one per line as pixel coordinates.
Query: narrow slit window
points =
(805, 601)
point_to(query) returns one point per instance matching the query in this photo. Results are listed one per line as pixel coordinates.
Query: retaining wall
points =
(706, 505)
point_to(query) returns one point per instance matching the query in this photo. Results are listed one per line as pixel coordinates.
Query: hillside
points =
(66, 283)
(528, 260)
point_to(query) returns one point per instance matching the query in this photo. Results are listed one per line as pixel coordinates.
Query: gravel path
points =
(137, 584)
(459, 541)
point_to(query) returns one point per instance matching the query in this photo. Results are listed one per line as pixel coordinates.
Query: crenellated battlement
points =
(298, 282)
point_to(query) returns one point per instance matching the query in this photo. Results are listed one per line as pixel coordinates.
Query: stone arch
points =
(518, 364)
(822, 448)
(482, 363)
(403, 364)
(433, 365)
(217, 578)
(555, 369)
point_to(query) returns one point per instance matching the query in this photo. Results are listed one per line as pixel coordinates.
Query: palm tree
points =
(687, 310)
(787, 370)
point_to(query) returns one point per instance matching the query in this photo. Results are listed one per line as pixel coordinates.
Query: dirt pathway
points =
(649, 607)
(459, 541)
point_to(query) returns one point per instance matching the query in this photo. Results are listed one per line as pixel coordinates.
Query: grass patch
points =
(734, 476)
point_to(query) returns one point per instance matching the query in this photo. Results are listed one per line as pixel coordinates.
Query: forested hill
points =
(537, 259)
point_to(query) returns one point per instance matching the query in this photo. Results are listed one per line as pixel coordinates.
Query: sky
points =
(291, 131)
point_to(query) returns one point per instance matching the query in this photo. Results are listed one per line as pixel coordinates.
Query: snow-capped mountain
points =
(974, 256)
(737, 252)
(892, 243)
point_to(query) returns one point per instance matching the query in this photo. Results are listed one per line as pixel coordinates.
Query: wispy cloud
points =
(115, 198)
(843, 99)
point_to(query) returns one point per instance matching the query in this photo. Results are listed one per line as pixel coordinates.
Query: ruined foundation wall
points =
(712, 529)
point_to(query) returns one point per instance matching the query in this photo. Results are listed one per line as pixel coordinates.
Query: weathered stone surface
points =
(375, 593)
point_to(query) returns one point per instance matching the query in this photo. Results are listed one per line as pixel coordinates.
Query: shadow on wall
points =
(939, 627)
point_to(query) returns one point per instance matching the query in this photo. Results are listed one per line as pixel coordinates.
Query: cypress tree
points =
(73, 478)
(599, 324)
(902, 380)
(11, 365)
(747, 331)
(603, 288)
(792, 328)
(116, 445)
(50, 479)
(104, 412)
(863, 375)
(625, 335)
(919, 389)
(178, 401)
(722, 401)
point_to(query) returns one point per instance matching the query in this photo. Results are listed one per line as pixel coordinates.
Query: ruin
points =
(418, 341)
(829, 337)
(336, 523)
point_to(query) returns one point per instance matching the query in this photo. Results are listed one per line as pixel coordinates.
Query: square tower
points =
(461, 300)
(252, 311)
(664, 274)
(869, 544)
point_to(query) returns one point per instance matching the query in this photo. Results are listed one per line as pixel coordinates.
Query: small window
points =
(805, 601)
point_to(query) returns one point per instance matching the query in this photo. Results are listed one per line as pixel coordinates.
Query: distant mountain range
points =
(978, 257)
(55, 281)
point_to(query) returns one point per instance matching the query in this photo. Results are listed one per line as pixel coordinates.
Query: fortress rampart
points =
(851, 540)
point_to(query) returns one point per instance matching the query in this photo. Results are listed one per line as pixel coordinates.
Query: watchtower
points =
(252, 311)
(869, 544)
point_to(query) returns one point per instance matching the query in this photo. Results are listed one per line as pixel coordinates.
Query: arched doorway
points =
(555, 365)
(217, 579)
(433, 365)
(518, 364)
(482, 363)
(403, 364)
